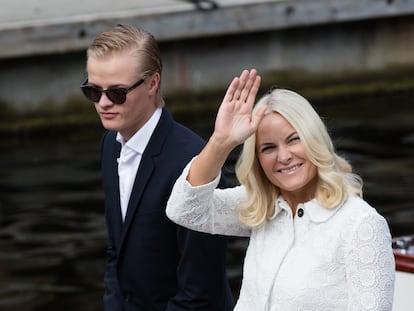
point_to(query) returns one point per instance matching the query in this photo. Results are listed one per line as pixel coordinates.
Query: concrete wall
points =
(331, 50)
(326, 49)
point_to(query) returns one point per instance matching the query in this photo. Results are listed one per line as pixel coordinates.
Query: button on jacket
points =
(321, 259)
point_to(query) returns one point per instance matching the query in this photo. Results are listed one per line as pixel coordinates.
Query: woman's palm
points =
(234, 122)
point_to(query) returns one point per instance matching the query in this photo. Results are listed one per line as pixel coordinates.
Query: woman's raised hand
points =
(234, 121)
(234, 124)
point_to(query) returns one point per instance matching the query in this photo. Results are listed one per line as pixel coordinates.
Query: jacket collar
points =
(315, 211)
(140, 139)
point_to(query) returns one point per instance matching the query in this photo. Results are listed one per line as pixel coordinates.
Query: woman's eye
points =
(265, 149)
(294, 138)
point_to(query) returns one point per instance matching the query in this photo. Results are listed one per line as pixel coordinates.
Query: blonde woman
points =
(315, 244)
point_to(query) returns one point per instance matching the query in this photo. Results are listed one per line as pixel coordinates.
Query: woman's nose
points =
(284, 154)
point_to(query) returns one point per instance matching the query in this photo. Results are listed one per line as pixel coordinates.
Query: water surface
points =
(52, 231)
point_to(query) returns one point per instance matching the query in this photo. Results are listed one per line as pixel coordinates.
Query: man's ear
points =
(154, 83)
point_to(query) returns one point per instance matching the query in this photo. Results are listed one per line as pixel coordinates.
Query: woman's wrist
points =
(222, 144)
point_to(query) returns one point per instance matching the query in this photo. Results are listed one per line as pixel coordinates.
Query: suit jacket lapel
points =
(143, 175)
(110, 168)
(118, 215)
(146, 167)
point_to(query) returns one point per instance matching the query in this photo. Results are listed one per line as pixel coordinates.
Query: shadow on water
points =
(52, 231)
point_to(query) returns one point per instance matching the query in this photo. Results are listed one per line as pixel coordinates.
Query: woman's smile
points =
(290, 169)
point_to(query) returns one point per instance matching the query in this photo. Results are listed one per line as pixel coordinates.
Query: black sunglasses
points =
(117, 95)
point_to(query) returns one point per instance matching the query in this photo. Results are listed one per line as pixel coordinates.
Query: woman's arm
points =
(370, 265)
(205, 208)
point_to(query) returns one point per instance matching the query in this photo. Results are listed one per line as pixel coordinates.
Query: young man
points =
(153, 264)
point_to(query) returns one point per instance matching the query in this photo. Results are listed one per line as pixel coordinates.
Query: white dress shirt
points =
(321, 259)
(130, 158)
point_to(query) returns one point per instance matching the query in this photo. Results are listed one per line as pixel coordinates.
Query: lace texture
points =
(338, 259)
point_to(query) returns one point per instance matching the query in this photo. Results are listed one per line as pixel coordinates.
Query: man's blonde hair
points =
(141, 43)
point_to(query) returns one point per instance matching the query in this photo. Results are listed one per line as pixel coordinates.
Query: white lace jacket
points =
(327, 259)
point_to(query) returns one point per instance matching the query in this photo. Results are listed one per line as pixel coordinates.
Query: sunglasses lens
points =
(117, 96)
(91, 93)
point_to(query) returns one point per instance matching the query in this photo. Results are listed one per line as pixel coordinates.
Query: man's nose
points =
(104, 101)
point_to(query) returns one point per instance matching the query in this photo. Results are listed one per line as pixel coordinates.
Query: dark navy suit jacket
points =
(153, 263)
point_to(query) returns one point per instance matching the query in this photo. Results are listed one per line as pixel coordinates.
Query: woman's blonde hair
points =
(143, 45)
(335, 177)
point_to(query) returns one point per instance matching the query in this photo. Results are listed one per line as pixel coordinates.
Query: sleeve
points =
(370, 265)
(112, 298)
(206, 208)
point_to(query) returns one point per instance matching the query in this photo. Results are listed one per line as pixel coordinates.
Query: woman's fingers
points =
(243, 88)
(228, 97)
(246, 86)
(241, 94)
(234, 120)
(254, 89)
(243, 79)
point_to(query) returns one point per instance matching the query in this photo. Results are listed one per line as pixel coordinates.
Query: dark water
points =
(52, 232)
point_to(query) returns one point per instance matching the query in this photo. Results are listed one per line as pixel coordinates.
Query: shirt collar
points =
(140, 140)
(316, 212)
